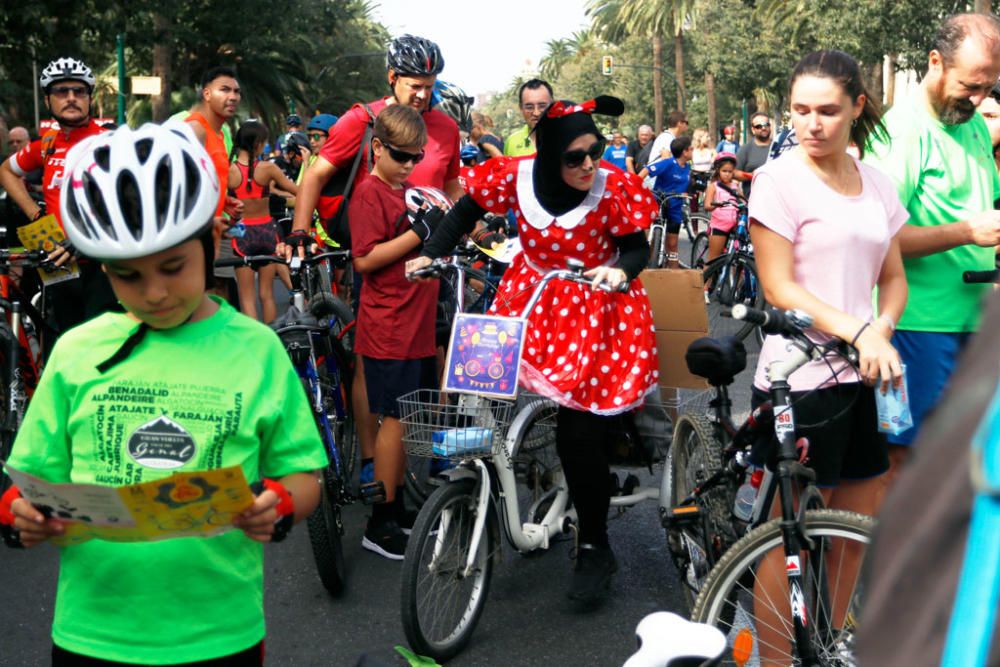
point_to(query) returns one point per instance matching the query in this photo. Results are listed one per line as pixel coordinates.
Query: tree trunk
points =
(679, 69)
(875, 81)
(890, 86)
(982, 6)
(163, 55)
(658, 83)
(713, 121)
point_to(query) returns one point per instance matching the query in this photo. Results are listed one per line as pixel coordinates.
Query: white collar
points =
(536, 216)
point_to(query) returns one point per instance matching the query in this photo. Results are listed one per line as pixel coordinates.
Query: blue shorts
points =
(388, 379)
(930, 359)
(672, 211)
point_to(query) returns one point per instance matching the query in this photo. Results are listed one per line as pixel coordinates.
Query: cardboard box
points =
(679, 317)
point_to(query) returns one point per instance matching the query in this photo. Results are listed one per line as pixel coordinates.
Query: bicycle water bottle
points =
(747, 494)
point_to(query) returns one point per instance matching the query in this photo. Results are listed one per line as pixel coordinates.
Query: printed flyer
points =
(484, 355)
(44, 234)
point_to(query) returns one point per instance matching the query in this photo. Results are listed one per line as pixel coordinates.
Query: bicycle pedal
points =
(630, 485)
(373, 492)
(678, 517)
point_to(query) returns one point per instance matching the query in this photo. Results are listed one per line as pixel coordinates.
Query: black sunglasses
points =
(761, 127)
(573, 159)
(63, 91)
(402, 157)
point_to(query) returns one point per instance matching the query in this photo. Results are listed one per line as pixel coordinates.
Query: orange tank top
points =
(216, 147)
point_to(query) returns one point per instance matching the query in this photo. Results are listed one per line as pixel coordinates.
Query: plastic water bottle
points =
(747, 494)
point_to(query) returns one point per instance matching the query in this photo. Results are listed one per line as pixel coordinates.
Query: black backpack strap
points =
(366, 141)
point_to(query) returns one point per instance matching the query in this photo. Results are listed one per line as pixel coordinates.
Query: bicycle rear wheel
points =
(696, 455)
(699, 251)
(729, 280)
(441, 603)
(728, 601)
(326, 531)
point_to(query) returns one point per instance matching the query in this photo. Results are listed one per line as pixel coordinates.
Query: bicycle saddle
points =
(718, 360)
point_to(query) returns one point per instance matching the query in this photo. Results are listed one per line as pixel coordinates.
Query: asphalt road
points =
(527, 620)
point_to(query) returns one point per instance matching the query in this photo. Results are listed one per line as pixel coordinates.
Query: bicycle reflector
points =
(743, 647)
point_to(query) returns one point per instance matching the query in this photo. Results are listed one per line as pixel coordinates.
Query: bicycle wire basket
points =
(453, 426)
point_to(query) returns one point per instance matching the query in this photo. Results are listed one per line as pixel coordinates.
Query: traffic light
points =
(607, 65)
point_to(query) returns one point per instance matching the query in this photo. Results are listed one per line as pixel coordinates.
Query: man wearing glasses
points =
(754, 153)
(534, 97)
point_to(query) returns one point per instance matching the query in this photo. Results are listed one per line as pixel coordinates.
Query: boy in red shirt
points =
(395, 329)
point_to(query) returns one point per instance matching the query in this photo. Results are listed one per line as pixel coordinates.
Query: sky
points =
(485, 43)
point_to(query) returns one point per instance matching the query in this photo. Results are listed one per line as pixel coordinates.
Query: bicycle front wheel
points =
(699, 251)
(326, 531)
(696, 455)
(441, 600)
(657, 256)
(734, 598)
(729, 280)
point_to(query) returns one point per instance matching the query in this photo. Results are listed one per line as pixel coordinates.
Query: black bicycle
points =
(315, 331)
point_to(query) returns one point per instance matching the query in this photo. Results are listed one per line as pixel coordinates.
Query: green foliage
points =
(313, 54)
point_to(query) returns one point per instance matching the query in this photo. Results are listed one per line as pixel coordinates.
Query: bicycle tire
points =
(693, 219)
(731, 279)
(657, 257)
(699, 251)
(727, 592)
(696, 454)
(326, 532)
(429, 582)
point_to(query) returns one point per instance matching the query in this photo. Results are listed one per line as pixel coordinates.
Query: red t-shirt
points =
(440, 164)
(49, 154)
(396, 316)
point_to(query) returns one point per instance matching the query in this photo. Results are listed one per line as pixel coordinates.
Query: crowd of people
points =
(845, 203)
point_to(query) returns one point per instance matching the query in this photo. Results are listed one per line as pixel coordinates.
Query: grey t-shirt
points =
(751, 156)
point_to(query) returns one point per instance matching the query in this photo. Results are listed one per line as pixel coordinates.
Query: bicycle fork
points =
(483, 500)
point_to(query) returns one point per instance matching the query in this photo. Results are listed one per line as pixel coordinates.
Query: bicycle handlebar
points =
(772, 321)
(981, 276)
(257, 261)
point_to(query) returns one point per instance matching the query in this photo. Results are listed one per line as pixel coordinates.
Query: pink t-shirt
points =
(839, 244)
(724, 219)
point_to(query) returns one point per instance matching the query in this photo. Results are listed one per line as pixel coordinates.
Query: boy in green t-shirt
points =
(165, 387)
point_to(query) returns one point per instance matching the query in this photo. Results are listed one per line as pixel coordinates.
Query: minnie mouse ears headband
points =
(604, 105)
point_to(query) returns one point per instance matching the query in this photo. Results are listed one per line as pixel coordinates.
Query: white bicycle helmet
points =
(66, 69)
(132, 193)
(421, 198)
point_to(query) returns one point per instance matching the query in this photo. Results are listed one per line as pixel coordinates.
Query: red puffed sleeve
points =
(632, 206)
(493, 184)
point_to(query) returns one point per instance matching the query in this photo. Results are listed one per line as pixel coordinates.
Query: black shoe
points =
(592, 575)
(386, 539)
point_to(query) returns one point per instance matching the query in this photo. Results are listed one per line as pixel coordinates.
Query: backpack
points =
(337, 226)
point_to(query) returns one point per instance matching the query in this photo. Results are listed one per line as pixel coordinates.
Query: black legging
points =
(582, 441)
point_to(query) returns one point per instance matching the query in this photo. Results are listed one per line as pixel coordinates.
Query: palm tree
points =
(558, 52)
(616, 19)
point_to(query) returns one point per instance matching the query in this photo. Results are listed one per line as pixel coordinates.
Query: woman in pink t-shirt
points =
(824, 227)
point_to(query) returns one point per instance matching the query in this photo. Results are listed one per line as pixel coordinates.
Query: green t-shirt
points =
(519, 143)
(224, 385)
(944, 174)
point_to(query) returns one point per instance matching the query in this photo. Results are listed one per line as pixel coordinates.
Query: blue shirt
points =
(727, 147)
(670, 177)
(616, 155)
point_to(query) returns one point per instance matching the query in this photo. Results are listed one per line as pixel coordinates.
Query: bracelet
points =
(285, 507)
(860, 331)
(888, 320)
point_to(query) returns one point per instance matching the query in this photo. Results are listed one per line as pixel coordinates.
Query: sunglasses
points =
(402, 157)
(574, 159)
(761, 127)
(317, 136)
(63, 91)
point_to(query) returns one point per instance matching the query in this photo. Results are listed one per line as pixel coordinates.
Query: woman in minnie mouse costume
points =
(590, 351)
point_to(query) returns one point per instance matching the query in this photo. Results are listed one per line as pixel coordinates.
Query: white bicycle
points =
(508, 480)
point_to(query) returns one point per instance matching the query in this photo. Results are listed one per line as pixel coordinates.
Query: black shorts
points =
(719, 232)
(388, 379)
(849, 447)
(251, 657)
(260, 239)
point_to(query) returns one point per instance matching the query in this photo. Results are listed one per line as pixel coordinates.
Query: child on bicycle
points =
(672, 176)
(165, 387)
(721, 189)
(395, 325)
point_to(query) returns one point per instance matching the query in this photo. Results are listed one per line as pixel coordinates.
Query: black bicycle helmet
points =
(453, 101)
(409, 55)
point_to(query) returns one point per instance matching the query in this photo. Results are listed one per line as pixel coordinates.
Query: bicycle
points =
(313, 330)
(449, 558)
(731, 278)
(658, 230)
(813, 538)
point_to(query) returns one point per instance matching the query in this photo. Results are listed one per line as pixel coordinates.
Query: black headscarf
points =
(559, 126)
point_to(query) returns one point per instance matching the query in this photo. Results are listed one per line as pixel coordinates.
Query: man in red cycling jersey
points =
(67, 84)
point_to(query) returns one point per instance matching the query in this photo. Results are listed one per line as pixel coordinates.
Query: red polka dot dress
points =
(585, 349)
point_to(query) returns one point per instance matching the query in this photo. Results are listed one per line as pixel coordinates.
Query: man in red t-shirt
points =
(67, 84)
(413, 65)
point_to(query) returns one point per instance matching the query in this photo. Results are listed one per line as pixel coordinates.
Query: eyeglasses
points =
(402, 157)
(534, 107)
(63, 91)
(762, 126)
(317, 136)
(576, 158)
